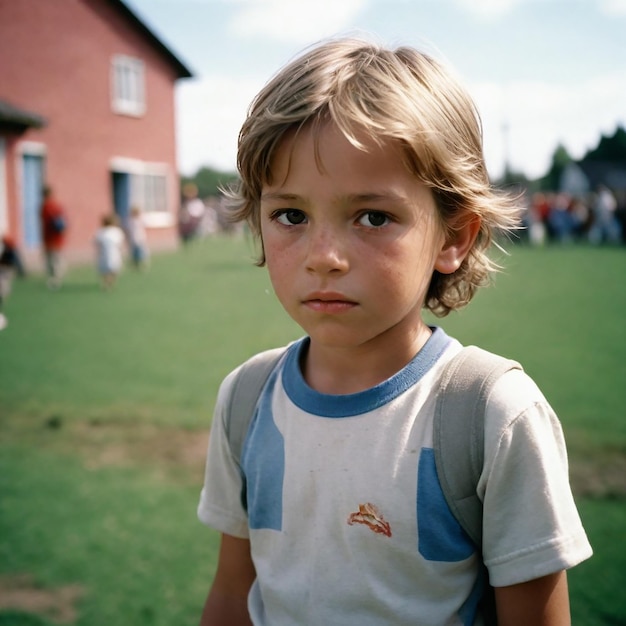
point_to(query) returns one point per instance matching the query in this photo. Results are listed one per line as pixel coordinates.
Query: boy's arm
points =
(227, 602)
(540, 602)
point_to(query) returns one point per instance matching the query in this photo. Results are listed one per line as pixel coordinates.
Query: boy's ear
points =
(457, 246)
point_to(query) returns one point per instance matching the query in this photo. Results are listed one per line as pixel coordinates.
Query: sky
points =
(542, 72)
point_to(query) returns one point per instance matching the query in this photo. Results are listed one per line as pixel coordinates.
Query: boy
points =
(10, 263)
(362, 174)
(54, 227)
(137, 239)
(109, 241)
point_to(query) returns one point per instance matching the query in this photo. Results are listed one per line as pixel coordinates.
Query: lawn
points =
(105, 405)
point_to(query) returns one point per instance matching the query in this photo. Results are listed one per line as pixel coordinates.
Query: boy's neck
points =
(339, 371)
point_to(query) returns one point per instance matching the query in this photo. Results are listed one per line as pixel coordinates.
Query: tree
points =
(609, 149)
(560, 160)
(209, 181)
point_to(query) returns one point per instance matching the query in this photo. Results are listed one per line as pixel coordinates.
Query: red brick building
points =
(87, 107)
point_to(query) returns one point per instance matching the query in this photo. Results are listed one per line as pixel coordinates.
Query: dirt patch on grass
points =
(600, 475)
(170, 452)
(128, 441)
(58, 605)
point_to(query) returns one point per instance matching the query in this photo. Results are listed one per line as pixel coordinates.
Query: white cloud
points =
(209, 114)
(528, 120)
(613, 7)
(488, 9)
(294, 21)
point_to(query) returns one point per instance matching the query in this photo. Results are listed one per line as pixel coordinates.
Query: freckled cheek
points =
(280, 251)
(399, 276)
(281, 266)
(276, 249)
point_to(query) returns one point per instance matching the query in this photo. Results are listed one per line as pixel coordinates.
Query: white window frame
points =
(128, 85)
(143, 176)
(32, 148)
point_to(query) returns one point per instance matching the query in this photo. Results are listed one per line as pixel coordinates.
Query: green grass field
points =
(106, 399)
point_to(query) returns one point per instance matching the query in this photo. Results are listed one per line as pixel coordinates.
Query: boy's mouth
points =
(328, 302)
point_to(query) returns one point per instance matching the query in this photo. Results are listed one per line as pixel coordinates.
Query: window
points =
(145, 185)
(154, 196)
(128, 85)
(148, 191)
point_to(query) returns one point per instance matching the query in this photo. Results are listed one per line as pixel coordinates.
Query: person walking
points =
(54, 228)
(137, 239)
(10, 264)
(109, 240)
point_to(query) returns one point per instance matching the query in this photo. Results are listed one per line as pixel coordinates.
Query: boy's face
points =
(351, 240)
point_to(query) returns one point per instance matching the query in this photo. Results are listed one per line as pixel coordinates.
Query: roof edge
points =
(181, 69)
(11, 114)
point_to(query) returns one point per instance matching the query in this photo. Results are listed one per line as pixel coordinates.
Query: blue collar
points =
(361, 402)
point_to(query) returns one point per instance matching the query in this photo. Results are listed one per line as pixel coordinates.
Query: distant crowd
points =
(561, 217)
(199, 218)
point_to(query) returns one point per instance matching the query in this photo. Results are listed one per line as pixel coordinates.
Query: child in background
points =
(137, 239)
(10, 264)
(109, 241)
(54, 232)
(191, 214)
(362, 174)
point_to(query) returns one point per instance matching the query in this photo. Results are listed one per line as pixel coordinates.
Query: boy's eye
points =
(374, 218)
(290, 217)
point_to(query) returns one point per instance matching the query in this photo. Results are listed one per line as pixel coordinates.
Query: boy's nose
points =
(326, 251)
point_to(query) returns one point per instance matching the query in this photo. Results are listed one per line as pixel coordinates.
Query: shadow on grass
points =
(19, 618)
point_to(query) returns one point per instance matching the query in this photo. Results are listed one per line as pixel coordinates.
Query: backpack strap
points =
(459, 428)
(244, 395)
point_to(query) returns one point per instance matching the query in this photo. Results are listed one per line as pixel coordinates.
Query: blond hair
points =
(403, 95)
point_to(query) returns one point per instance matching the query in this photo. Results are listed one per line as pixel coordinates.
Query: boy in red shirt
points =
(54, 226)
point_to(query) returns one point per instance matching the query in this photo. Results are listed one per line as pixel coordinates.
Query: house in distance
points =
(86, 107)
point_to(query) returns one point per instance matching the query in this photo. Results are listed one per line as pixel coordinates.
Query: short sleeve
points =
(220, 505)
(531, 527)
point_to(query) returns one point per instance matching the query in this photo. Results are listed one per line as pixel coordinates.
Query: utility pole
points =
(506, 127)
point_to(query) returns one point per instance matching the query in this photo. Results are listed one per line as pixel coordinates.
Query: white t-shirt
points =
(109, 241)
(346, 518)
(137, 230)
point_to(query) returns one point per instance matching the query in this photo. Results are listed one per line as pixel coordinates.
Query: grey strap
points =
(244, 395)
(458, 431)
